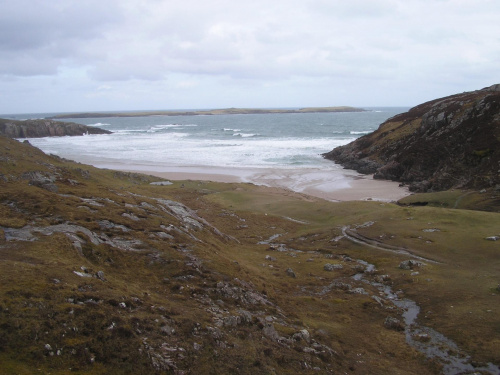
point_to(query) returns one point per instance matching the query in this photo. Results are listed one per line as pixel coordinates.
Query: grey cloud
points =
(47, 32)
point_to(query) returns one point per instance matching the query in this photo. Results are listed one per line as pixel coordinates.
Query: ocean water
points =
(164, 143)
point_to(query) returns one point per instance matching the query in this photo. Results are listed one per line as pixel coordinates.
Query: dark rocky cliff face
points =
(45, 128)
(452, 142)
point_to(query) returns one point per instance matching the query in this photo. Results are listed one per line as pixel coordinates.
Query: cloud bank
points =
(64, 55)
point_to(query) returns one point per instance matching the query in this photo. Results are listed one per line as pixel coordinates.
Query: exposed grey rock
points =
(82, 274)
(45, 128)
(246, 316)
(167, 330)
(410, 264)
(42, 180)
(393, 323)
(331, 267)
(131, 216)
(358, 291)
(270, 332)
(291, 273)
(100, 275)
(231, 321)
(493, 238)
(303, 334)
(161, 183)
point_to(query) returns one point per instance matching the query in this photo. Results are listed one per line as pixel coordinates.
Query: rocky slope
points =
(45, 128)
(451, 142)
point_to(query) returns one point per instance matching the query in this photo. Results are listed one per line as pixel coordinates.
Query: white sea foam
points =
(99, 124)
(360, 132)
(244, 135)
(256, 141)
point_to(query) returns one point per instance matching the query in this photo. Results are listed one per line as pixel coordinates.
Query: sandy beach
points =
(336, 184)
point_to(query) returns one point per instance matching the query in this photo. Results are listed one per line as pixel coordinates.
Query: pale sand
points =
(336, 184)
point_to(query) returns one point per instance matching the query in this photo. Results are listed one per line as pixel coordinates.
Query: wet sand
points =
(334, 184)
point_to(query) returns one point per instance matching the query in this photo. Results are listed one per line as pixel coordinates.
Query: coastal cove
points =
(280, 150)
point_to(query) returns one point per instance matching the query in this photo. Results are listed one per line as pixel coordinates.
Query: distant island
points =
(209, 112)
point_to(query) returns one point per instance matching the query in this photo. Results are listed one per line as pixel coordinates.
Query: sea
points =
(217, 144)
(244, 140)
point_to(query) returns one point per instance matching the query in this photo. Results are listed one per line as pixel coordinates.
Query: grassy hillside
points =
(102, 272)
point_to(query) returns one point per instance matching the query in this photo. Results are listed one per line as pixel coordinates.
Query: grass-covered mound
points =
(102, 272)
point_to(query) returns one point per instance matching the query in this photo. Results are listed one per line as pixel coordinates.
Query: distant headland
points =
(209, 112)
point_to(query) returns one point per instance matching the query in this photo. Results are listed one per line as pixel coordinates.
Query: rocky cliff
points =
(451, 142)
(45, 128)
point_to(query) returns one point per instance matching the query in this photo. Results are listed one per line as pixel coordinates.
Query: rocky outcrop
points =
(45, 128)
(452, 142)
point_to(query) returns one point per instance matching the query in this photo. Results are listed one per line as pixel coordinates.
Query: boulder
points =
(393, 323)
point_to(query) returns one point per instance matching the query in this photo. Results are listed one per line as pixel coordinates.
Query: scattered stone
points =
(131, 216)
(100, 275)
(161, 183)
(493, 238)
(330, 267)
(379, 300)
(393, 323)
(167, 330)
(382, 278)
(415, 273)
(231, 321)
(270, 332)
(290, 273)
(303, 334)
(246, 316)
(82, 274)
(358, 291)
(122, 305)
(410, 264)
(48, 347)
(270, 258)
(431, 230)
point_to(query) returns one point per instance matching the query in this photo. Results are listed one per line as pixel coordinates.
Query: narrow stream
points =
(425, 339)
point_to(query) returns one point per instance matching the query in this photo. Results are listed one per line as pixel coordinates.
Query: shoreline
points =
(336, 184)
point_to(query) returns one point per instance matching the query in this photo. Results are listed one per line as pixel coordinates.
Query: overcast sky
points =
(97, 55)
